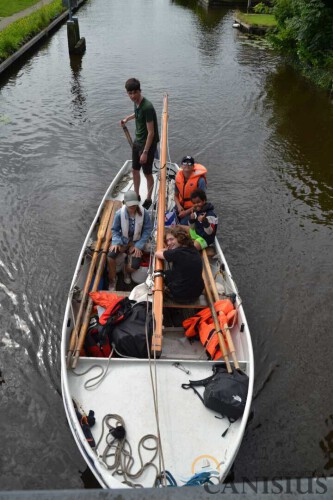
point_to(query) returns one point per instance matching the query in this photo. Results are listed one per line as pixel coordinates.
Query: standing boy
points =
(146, 138)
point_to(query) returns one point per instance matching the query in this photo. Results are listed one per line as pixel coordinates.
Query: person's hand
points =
(137, 252)
(143, 158)
(182, 214)
(201, 217)
(114, 248)
(123, 122)
(193, 216)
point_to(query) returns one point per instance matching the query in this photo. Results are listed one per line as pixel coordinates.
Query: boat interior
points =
(175, 344)
(179, 360)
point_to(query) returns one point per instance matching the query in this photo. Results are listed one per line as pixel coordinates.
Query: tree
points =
(305, 29)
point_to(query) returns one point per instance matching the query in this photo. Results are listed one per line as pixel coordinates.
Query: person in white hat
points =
(131, 230)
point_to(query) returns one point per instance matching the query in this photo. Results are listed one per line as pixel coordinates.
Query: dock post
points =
(76, 45)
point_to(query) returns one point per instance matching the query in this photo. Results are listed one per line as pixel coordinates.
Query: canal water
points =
(265, 136)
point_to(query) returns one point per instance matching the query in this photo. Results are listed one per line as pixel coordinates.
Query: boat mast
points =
(156, 346)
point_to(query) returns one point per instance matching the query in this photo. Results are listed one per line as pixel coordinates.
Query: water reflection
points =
(208, 23)
(302, 119)
(79, 97)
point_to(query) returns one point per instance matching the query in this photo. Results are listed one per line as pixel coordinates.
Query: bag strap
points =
(190, 386)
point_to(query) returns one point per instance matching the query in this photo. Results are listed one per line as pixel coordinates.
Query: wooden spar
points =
(100, 236)
(156, 345)
(221, 314)
(99, 273)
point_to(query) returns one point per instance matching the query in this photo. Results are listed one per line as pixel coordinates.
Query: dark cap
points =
(188, 160)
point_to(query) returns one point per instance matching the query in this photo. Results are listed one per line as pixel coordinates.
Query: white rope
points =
(88, 383)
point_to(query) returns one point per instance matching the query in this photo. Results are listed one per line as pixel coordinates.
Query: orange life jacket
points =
(107, 300)
(202, 324)
(185, 188)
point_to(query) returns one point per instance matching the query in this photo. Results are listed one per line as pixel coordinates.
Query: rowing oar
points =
(100, 236)
(128, 135)
(223, 316)
(217, 325)
(99, 273)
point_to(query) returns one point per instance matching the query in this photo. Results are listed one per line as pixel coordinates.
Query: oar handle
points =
(128, 135)
(231, 345)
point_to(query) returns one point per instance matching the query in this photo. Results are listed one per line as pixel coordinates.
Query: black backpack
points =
(128, 336)
(224, 393)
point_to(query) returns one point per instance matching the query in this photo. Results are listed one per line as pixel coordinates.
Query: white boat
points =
(185, 440)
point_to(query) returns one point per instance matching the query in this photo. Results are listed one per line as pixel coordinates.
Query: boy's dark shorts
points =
(137, 152)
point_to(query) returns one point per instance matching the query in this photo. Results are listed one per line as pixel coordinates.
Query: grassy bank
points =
(265, 20)
(21, 31)
(9, 7)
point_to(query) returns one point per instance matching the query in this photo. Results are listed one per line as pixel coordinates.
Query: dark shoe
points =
(147, 204)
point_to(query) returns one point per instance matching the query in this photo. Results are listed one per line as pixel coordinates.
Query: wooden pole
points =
(156, 346)
(128, 135)
(223, 347)
(222, 315)
(100, 236)
(99, 273)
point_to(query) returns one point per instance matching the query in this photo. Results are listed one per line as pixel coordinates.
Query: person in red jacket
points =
(190, 176)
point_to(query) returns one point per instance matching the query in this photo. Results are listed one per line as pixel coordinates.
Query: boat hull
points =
(148, 394)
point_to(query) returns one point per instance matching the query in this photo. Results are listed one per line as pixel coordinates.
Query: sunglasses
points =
(187, 164)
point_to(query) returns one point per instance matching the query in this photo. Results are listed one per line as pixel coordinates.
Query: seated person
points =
(131, 230)
(189, 177)
(203, 221)
(184, 281)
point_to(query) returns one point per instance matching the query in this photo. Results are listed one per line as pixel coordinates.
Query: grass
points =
(265, 20)
(9, 7)
(21, 31)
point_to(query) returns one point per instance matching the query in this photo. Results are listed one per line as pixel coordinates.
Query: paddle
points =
(223, 347)
(223, 316)
(128, 135)
(99, 272)
(100, 236)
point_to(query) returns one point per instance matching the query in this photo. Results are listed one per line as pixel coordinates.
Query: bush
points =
(305, 32)
(19, 32)
(261, 8)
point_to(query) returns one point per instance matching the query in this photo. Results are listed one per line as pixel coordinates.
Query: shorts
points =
(202, 242)
(133, 262)
(136, 153)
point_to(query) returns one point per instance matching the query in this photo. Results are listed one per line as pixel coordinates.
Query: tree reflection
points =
(208, 22)
(302, 120)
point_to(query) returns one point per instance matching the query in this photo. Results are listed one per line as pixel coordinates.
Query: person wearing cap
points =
(146, 137)
(131, 230)
(190, 176)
